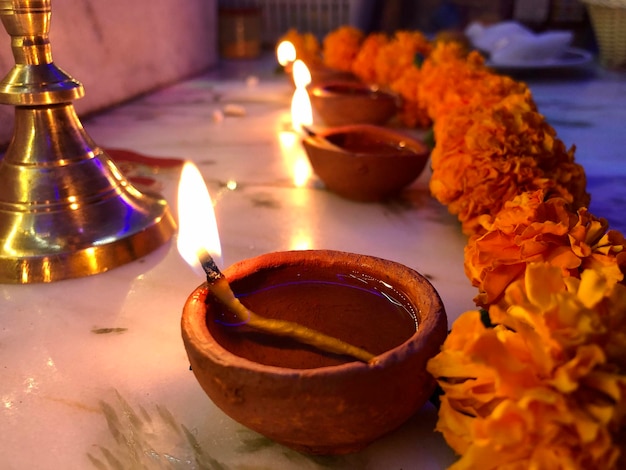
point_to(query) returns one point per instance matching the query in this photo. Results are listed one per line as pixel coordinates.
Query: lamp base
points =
(66, 210)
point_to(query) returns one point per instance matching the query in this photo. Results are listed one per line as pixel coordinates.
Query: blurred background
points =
(271, 18)
(120, 49)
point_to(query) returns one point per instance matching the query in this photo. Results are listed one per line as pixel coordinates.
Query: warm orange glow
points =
(300, 240)
(301, 111)
(285, 53)
(197, 224)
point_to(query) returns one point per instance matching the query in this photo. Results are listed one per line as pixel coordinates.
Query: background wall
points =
(119, 49)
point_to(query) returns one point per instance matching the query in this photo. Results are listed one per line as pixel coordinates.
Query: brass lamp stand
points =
(66, 210)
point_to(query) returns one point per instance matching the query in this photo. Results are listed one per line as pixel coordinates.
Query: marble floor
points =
(94, 373)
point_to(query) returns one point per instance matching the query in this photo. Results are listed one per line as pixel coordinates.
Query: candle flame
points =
(285, 53)
(197, 224)
(301, 110)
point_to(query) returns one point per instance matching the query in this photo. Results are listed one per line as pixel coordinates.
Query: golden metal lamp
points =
(66, 210)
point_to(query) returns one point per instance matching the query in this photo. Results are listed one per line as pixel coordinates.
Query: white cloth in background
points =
(510, 42)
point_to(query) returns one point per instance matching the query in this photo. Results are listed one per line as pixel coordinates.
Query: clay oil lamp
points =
(364, 162)
(300, 393)
(321, 351)
(342, 102)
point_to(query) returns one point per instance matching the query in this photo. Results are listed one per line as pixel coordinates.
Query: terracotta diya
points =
(299, 395)
(365, 162)
(343, 102)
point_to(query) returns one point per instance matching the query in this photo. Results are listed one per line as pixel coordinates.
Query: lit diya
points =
(322, 351)
(364, 162)
(302, 394)
(352, 102)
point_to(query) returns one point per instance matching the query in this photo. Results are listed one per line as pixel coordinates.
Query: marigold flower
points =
(398, 54)
(364, 64)
(531, 228)
(487, 155)
(413, 113)
(341, 46)
(545, 387)
(453, 79)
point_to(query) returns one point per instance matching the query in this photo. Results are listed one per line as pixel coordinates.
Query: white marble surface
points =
(94, 373)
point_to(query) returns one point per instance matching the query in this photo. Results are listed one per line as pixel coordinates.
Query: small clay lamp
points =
(299, 395)
(342, 102)
(364, 162)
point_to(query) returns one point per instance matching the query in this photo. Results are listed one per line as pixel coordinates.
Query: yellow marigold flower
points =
(364, 64)
(530, 228)
(341, 46)
(545, 385)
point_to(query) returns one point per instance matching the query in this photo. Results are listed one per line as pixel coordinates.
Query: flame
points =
(301, 110)
(197, 232)
(301, 74)
(285, 53)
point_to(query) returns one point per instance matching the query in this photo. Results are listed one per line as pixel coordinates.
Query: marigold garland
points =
(540, 380)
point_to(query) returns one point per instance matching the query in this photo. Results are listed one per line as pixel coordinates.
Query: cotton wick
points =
(221, 289)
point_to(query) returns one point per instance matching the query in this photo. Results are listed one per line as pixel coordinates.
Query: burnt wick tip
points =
(213, 273)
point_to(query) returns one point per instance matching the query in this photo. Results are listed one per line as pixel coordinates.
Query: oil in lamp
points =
(66, 210)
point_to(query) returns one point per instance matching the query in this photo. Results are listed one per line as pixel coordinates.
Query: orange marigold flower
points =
(398, 54)
(485, 156)
(413, 112)
(532, 228)
(364, 64)
(544, 386)
(341, 47)
(452, 79)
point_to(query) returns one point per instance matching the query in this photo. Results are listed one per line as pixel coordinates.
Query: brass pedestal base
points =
(65, 209)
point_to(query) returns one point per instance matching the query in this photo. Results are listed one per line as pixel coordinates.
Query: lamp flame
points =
(197, 233)
(285, 53)
(301, 110)
(301, 74)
